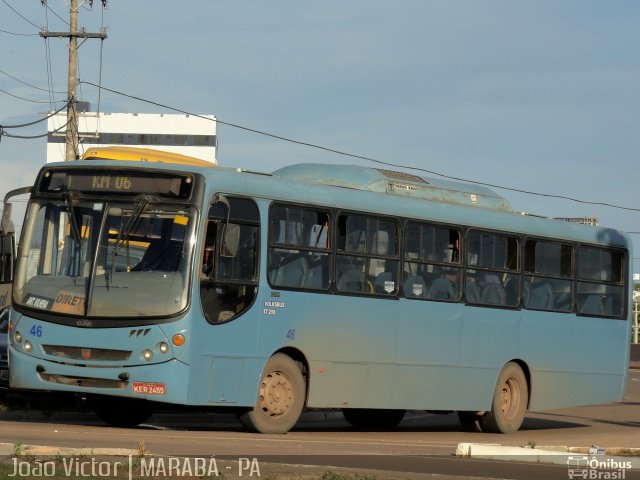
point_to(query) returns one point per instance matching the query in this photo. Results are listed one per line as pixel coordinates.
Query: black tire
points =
(470, 421)
(281, 397)
(509, 402)
(122, 412)
(373, 417)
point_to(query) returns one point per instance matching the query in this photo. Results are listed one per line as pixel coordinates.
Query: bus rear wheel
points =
(371, 418)
(122, 412)
(509, 401)
(281, 397)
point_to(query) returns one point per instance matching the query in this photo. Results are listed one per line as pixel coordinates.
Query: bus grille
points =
(79, 353)
(83, 381)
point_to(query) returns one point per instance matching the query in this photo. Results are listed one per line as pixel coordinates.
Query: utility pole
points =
(71, 136)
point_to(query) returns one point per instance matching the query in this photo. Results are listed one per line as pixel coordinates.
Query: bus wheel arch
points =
(282, 394)
(510, 399)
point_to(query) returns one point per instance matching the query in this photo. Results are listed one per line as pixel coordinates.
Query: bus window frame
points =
(330, 251)
(464, 231)
(571, 277)
(397, 258)
(458, 265)
(623, 284)
(208, 217)
(516, 272)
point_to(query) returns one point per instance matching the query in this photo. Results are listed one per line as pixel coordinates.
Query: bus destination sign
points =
(114, 182)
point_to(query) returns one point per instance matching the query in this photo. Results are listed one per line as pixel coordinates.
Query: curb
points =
(554, 455)
(11, 449)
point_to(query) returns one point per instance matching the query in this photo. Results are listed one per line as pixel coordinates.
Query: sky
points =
(539, 96)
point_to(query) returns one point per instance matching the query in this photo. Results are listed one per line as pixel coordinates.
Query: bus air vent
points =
(84, 381)
(401, 176)
(80, 353)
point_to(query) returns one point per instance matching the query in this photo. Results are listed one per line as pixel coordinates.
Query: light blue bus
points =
(317, 286)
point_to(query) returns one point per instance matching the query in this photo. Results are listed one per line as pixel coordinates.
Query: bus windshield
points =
(93, 259)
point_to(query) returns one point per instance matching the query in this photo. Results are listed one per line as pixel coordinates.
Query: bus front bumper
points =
(165, 382)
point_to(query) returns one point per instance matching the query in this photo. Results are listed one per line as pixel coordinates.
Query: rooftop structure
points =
(190, 135)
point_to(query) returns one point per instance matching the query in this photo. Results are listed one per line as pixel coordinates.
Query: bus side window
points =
(298, 248)
(431, 262)
(495, 262)
(548, 275)
(229, 269)
(367, 255)
(600, 287)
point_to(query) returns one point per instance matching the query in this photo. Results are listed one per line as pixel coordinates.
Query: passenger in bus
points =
(207, 261)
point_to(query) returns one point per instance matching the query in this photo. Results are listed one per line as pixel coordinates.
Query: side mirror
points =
(6, 225)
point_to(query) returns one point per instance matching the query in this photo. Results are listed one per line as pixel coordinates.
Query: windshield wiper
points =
(123, 235)
(75, 229)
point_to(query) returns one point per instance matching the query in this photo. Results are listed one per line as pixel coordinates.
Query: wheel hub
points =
(276, 394)
(509, 397)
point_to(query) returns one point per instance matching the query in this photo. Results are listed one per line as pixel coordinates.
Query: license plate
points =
(146, 388)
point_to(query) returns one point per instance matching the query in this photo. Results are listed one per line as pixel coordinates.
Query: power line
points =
(54, 12)
(25, 83)
(35, 121)
(71, 135)
(49, 63)
(370, 159)
(20, 15)
(31, 137)
(19, 34)
(22, 98)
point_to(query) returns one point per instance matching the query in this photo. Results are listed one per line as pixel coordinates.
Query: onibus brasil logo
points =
(592, 467)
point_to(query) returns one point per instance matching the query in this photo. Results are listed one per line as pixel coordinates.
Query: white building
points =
(190, 135)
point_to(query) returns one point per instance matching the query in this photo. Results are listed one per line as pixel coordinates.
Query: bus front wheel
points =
(281, 397)
(509, 401)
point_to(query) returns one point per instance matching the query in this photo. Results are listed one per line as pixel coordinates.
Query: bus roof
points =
(143, 155)
(383, 191)
(395, 183)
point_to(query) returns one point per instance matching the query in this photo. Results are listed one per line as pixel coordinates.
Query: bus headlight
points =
(17, 337)
(147, 355)
(27, 346)
(163, 347)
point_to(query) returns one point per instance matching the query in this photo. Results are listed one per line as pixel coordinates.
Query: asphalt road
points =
(423, 446)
